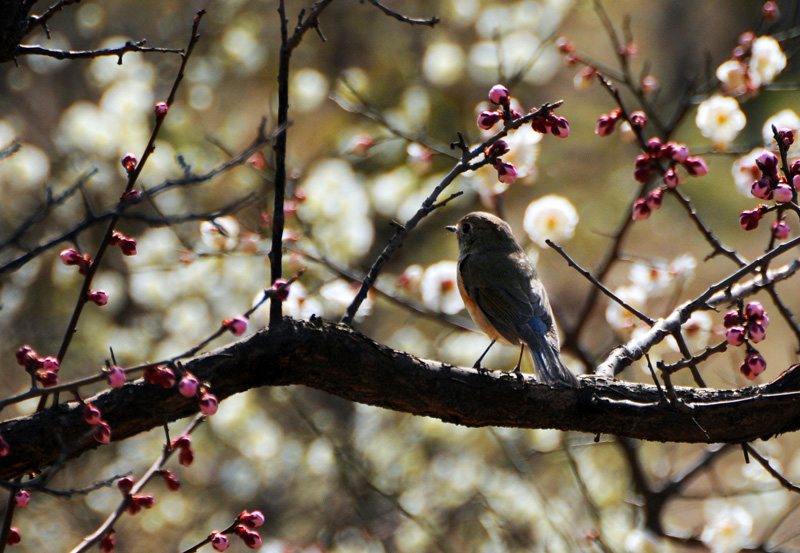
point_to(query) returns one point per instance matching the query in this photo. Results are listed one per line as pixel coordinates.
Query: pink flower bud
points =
(279, 290)
(768, 163)
(47, 378)
(787, 136)
(753, 366)
(236, 326)
(129, 162)
(102, 432)
(565, 45)
(754, 311)
(251, 538)
(540, 124)
(749, 219)
(219, 541)
(252, 519)
(643, 168)
(756, 332)
(506, 172)
(780, 230)
(641, 210)
(133, 196)
(208, 404)
(71, 257)
(145, 501)
(696, 166)
(677, 152)
(731, 319)
(161, 109)
(171, 480)
(671, 179)
(188, 386)
(22, 498)
(14, 536)
(91, 414)
(108, 543)
(125, 485)
(97, 297)
(499, 95)
(186, 456)
(128, 246)
(762, 189)
(498, 148)
(770, 11)
(638, 119)
(559, 126)
(488, 119)
(605, 125)
(794, 170)
(4, 447)
(654, 199)
(115, 376)
(182, 442)
(650, 84)
(782, 194)
(48, 363)
(653, 146)
(26, 357)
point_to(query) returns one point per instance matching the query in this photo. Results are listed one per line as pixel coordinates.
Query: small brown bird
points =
(503, 294)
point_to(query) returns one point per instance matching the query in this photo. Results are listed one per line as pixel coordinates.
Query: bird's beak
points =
(451, 228)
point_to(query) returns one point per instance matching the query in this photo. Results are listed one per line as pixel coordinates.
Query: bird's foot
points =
(481, 369)
(518, 374)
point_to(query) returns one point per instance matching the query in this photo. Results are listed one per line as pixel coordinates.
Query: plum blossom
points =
(550, 217)
(766, 61)
(720, 119)
(439, 288)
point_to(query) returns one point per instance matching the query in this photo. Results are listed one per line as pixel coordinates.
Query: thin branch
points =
(120, 51)
(586, 274)
(404, 18)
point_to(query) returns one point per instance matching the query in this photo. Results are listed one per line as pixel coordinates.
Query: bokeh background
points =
(373, 110)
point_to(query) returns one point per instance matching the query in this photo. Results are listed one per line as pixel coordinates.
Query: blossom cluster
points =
(744, 326)
(507, 112)
(771, 185)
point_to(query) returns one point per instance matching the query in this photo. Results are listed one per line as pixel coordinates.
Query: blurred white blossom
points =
(550, 217)
(728, 527)
(785, 119)
(745, 171)
(337, 208)
(640, 540)
(720, 119)
(244, 48)
(439, 288)
(766, 61)
(733, 76)
(28, 167)
(658, 276)
(443, 63)
(221, 234)
(339, 294)
(308, 89)
(620, 318)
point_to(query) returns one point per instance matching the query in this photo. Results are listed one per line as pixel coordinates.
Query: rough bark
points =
(337, 360)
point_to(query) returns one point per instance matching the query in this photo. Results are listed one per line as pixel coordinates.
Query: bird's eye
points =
(465, 228)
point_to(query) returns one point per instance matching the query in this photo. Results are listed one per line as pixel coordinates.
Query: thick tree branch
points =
(335, 359)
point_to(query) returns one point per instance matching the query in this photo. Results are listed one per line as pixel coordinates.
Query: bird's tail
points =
(550, 369)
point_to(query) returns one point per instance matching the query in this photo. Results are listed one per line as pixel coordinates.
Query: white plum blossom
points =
(339, 294)
(620, 318)
(766, 61)
(727, 528)
(784, 119)
(745, 171)
(550, 217)
(720, 119)
(439, 288)
(337, 208)
(640, 540)
(733, 76)
(308, 89)
(658, 276)
(443, 63)
(221, 234)
(696, 331)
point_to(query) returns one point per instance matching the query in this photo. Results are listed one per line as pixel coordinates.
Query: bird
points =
(504, 296)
